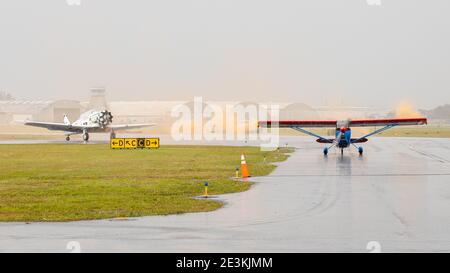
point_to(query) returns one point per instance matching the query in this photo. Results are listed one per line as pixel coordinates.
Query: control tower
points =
(98, 99)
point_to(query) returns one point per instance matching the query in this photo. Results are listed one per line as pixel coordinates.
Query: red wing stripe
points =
(389, 121)
(298, 123)
(332, 123)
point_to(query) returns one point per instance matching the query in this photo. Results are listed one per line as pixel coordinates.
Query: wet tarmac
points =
(397, 194)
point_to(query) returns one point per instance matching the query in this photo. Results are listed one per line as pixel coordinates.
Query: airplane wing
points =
(387, 122)
(54, 126)
(334, 123)
(130, 126)
(298, 123)
(75, 128)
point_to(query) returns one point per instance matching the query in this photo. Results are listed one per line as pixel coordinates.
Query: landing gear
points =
(325, 151)
(67, 138)
(112, 135)
(86, 137)
(360, 150)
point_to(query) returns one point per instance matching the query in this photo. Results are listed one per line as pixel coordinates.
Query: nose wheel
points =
(68, 138)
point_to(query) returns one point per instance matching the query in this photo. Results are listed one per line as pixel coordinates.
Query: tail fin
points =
(66, 120)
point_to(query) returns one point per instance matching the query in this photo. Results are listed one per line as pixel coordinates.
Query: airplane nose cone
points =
(343, 130)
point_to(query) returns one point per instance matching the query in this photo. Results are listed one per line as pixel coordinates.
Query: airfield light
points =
(206, 190)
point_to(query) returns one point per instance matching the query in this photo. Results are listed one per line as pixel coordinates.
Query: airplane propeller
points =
(105, 117)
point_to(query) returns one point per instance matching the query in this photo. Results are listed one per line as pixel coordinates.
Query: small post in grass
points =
(237, 172)
(206, 190)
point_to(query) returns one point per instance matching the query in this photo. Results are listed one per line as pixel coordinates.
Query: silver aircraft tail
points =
(66, 120)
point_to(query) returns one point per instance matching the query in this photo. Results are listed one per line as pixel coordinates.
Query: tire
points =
(68, 138)
(86, 137)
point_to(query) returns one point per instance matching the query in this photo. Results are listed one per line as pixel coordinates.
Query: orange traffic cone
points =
(244, 169)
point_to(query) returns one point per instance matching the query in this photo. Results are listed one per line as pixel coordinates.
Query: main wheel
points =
(112, 135)
(360, 150)
(325, 151)
(86, 137)
(68, 138)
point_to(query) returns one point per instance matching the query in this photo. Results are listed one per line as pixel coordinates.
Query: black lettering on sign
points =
(152, 143)
(117, 143)
(141, 143)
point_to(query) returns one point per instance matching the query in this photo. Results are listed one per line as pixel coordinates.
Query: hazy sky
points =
(316, 51)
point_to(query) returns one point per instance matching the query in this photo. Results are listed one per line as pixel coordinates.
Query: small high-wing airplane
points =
(343, 134)
(90, 122)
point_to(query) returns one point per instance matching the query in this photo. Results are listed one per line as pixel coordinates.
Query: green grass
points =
(75, 182)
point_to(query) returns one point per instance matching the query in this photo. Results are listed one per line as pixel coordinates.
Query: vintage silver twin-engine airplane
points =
(90, 122)
(343, 136)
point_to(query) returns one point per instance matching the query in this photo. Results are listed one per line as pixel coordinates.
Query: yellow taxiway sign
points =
(134, 143)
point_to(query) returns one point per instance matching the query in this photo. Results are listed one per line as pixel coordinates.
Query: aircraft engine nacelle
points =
(104, 118)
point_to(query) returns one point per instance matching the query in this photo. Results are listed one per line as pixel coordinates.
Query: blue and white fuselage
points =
(344, 140)
(343, 137)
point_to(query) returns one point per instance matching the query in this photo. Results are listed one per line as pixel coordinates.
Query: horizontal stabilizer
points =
(323, 140)
(331, 140)
(359, 140)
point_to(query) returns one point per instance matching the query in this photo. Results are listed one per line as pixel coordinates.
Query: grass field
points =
(74, 182)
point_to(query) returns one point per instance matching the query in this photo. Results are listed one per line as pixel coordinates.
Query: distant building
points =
(21, 110)
(98, 99)
(141, 111)
(56, 110)
(296, 111)
(51, 111)
(159, 112)
(5, 118)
